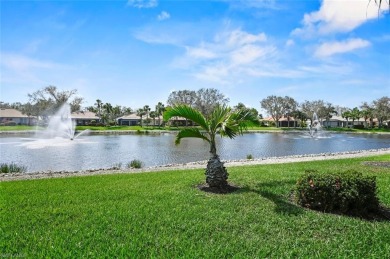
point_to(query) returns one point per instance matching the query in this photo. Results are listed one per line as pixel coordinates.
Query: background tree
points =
(367, 111)
(29, 110)
(147, 111)
(241, 106)
(301, 116)
(223, 120)
(107, 111)
(153, 115)
(355, 115)
(181, 97)
(141, 113)
(49, 99)
(327, 111)
(99, 106)
(51, 95)
(382, 109)
(274, 107)
(160, 108)
(311, 107)
(207, 99)
(289, 106)
(346, 115)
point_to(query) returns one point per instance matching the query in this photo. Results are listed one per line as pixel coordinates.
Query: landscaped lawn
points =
(162, 214)
(19, 127)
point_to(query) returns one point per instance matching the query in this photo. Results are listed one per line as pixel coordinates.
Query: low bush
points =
(358, 126)
(10, 123)
(135, 164)
(347, 192)
(117, 166)
(249, 156)
(12, 168)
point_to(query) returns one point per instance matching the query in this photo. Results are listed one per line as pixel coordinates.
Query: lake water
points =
(104, 151)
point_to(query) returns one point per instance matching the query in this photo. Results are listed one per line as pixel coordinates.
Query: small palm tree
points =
(222, 120)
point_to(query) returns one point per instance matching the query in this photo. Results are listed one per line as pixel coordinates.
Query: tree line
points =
(47, 100)
(278, 107)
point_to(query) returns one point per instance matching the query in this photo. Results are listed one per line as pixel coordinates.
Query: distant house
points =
(335, 122)
(180, 121)
(283, 122)
(84, 118)
(13, 116)
(130, 120)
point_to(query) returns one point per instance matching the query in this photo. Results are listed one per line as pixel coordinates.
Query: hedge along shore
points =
(197, 165)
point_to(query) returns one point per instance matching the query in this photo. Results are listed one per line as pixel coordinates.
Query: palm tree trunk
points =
(216, 173)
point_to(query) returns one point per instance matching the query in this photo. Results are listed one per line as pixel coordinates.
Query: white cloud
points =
(290, 42)
(231, 56)
(18, 68)
(337, 16)
(200, 53)
(163, 16)
(261, 4)
(239, 37)
(331, 48)
(22, 63)
(142, 3)
(248, 54)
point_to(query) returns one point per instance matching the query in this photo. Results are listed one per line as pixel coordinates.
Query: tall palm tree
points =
(99, 105)
(153, 115)
(140, 113)
(222, 120)
(147, 110)
(160, 108)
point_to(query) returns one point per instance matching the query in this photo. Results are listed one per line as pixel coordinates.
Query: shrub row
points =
(348, 192)
(12, 168)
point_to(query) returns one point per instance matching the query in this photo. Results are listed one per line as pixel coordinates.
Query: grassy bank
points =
(164, 215)
(19, 128)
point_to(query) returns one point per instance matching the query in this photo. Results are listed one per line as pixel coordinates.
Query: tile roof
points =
(86, 115)
(12, 113)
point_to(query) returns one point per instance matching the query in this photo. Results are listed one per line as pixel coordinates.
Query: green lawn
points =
(18, 127)
(164, 215)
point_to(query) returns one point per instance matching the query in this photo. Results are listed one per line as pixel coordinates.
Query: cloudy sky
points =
(136, 52)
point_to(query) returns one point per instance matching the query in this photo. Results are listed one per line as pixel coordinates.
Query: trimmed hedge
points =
(346, 192)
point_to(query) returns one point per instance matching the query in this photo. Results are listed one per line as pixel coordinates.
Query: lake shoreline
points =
(196, 165)
(159, 132)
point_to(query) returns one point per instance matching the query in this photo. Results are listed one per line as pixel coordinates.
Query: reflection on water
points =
(103, 151)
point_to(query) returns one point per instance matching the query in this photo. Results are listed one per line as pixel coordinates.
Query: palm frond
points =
(237, 122)
(187, 112)
(218, 117)
(190, 133)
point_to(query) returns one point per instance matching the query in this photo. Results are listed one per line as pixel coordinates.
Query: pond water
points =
(104, 151)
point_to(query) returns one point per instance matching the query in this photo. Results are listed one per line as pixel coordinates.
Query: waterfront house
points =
(14, 117)
(83, 118)
(130, 120)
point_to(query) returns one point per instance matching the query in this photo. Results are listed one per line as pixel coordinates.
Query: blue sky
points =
(136, 52)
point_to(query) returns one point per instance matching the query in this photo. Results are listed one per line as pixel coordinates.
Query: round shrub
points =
(348, 192)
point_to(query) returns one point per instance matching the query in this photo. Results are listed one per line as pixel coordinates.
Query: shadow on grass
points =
(282, 202)
(285, 204)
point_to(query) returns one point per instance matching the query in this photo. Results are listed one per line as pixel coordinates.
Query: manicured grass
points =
(164, 215)
(19, 127)
(374, 130)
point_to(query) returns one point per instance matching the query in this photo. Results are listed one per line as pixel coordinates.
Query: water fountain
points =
(315, 128)
(61, 124)
(60, 131)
